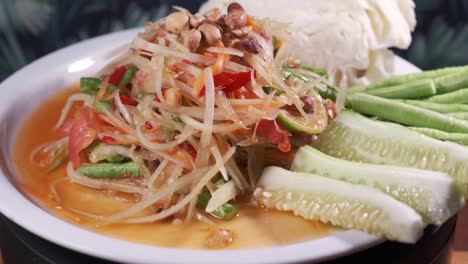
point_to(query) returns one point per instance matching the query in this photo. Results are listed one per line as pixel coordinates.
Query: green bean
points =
(412, 90)
(441, 108)
(109, 170)
(169, 130)
(406, 114)
(459, 115)
(397, 80)
(456, 97)
(225, 211)
(203, 199)
(319, 71)
(89, 85)
(141, 95)
(460, 138)
(103, 104)
(218, 183)
(452, 82)
(128, 76)
(111, 88)
(270, 90)
(115, 159)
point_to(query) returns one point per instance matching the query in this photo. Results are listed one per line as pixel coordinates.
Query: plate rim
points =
(338, 244)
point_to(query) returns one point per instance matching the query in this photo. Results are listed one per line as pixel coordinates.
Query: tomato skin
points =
(230, 82)
(67, 126)
(83, 132)
(128, 101)
(108, 140)
(117, 75)
(275, 134)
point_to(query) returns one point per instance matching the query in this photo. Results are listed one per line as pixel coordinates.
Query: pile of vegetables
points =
(187, 116)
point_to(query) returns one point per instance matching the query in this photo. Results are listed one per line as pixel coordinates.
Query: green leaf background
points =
(30, 29)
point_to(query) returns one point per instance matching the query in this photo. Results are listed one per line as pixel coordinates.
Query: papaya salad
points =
(189, 114)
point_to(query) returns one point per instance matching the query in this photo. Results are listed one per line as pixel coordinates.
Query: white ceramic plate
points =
(23, 91)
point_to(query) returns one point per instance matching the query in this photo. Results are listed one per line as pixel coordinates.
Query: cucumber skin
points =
(338, 203)
(356, 138)
(436, 198)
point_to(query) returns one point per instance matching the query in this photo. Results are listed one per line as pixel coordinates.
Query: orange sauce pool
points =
(253, 227)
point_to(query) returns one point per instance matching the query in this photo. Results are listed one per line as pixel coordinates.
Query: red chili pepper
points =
(117, 75)
(189, 148)
(230, 82)
(156, 99)
(148, 125)
(275, 134)
(108, 140)
(127, 100)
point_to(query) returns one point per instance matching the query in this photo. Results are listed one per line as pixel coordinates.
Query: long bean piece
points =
(441, 108)
(456, 97)
(460, 138)
(109, 170)
(412, 90)
(406, 114)
(459, 115)
(452, 82)
(397, 80)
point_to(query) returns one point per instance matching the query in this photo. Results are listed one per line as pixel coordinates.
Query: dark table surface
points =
(20, 246)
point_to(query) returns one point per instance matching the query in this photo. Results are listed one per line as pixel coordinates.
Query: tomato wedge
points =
(230, 82)
(83, 132)
(127, 100)
(275, 134)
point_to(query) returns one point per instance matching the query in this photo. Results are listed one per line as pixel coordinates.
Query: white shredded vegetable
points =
(222, 195)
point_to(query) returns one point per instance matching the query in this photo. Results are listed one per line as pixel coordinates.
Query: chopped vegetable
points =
(128, 101)
(339, 203)
(225, 212)
(354, 137)
(319, 71)
(421, 190)
(230, 82)
(269, 90)
(82, 133)
(116, 159)
(102, 105)
(109, 170)
(275, 134)
(117, 75)
(128, 76)
(89, 85)
(316, 122)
